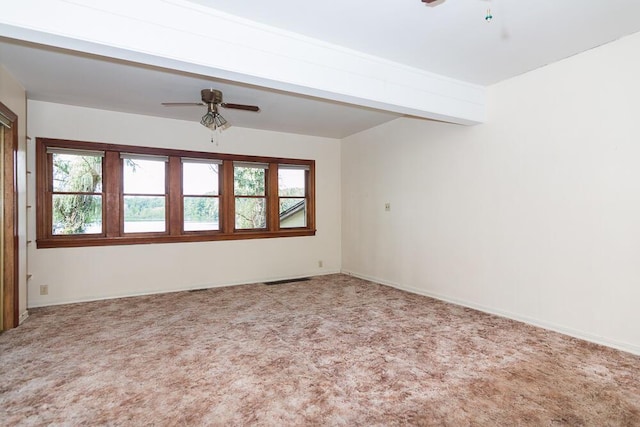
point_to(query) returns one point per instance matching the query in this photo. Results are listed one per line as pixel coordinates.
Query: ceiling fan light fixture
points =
(207, 121)
(219, 121)
(213, 120)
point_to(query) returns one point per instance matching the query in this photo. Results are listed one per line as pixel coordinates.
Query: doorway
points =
(8, 219)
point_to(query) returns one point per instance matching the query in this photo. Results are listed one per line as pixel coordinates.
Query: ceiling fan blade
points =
(182, 104)
(240, 107)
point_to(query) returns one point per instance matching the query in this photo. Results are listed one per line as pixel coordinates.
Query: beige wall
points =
(12, 95)
(79, 274)
(534, 215)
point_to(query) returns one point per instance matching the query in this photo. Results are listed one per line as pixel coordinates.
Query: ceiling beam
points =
(185, 36)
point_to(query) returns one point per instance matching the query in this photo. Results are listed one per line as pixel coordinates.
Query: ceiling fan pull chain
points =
(216, 134)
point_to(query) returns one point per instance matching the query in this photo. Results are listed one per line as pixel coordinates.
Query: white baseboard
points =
(62, 301)
(630, 348)
(23, 317)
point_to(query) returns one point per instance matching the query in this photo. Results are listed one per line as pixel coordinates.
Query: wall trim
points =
(629, 348)
(64, 301)
(23, 317)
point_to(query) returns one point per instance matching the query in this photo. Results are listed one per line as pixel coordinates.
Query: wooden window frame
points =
(113, 226)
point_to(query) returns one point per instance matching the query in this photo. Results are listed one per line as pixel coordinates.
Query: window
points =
(201, 194)
(249, 189)
(76, 203)
(292, 196)
(144, 193)
(92, 194)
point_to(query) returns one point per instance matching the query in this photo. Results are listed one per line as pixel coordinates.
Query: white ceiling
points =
(451, 39)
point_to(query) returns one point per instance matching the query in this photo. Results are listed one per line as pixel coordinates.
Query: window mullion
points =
(44, 183)
(175, 201)
(112, 185)
(311, 197)
(273, 217)
(227, 199)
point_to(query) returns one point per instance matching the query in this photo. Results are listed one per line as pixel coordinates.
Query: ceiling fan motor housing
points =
(211, 96)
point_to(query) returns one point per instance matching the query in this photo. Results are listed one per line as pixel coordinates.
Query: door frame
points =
(10, 224)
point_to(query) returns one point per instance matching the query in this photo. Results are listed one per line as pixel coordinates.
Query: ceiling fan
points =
(213, 99)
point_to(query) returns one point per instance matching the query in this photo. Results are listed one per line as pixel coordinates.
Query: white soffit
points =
(184, 36)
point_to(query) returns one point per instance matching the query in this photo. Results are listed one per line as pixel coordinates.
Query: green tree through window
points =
(77, 193)
(251, 201)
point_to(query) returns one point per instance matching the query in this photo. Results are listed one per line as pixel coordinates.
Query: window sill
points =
(81, 241)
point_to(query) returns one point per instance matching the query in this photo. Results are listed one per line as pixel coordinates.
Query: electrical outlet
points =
(387, 206)
(320, 263)
(44, 289)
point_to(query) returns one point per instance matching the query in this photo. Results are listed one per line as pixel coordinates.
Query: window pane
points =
(201, 213)
(144, 214)
(248, 181)
(143, 176)
(77, 214)
(291, 182)
(293, 213)
(250, 213)
(77, 174)
(200, 179)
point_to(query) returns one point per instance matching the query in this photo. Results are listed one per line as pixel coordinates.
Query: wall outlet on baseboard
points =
(320, 264)
(44, 289)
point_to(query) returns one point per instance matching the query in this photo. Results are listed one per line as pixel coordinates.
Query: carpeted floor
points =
(331, 351)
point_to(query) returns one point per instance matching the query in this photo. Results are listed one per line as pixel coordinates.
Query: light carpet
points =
(334, 350)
